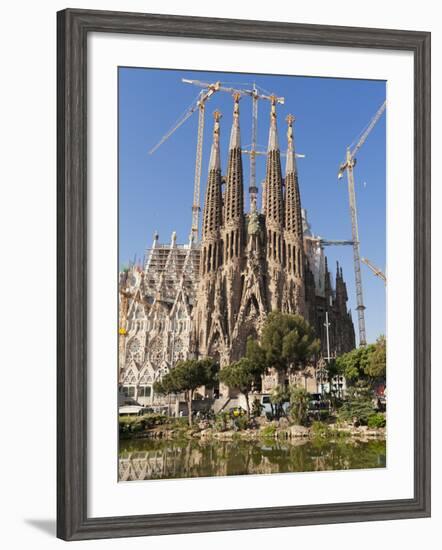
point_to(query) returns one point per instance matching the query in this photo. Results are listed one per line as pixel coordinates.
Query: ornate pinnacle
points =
(273, 137)
(214, 162)
(235, 140)
(290, 120)
(290, 163)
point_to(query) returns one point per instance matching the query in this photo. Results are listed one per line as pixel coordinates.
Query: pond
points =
(162, 459)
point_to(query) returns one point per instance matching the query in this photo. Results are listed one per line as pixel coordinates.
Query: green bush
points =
(268, 431)
(221, 420)
(320, 429)
(242, 422)
(135, 424)
(358, 406)
(377, 420)
(299, 402)
(257, 407)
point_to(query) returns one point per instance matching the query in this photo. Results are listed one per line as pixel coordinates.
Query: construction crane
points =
(348, 166)
(255, 94)
(199, 105)
(206, 93)
(328, 242)
(375, 269)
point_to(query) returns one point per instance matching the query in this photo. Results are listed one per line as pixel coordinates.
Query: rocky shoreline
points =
(269, 431)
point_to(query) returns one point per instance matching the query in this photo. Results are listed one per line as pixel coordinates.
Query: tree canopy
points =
(287, 342)
(246, 373)
(364, 363)
(186, 377)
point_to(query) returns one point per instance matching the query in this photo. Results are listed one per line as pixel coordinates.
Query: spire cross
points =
(236, 98)
(273, 100)
(290, 120)
(217, 115)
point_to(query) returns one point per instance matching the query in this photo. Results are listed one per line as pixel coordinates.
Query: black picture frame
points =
(73, 27)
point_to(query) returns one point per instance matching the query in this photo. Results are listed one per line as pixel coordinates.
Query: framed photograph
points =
(243, 274)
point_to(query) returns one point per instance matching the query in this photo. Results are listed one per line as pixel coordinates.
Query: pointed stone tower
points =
(233, 230)
(209, 330)
(212, 213)
(293, 252)
(274, 212)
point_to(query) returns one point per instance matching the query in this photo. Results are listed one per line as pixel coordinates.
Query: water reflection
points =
(160, 459)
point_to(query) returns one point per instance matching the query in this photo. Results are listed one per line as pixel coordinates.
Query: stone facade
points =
(206, 299)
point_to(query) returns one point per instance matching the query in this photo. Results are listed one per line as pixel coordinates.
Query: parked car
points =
(268, 409)
(133, 410)
(318, 406)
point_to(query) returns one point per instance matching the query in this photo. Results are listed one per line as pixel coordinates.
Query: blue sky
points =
(155, 191)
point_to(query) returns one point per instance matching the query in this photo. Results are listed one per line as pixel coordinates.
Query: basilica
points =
(204, 299)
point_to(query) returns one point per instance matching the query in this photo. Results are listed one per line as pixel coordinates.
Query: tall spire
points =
(273, 133)
(274, 200)
(290, 165)
(235, 138)
(214, 163)
(212, 215)
(234, 195)
(293, 214)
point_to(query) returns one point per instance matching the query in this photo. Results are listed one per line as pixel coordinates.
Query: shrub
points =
(135, 424)
(221, 420)
(299, 401)
(180, 422)
(320, 429)
(257, 407)
(268, 431)
(358, 406)
(242, 422)
(129, 425)
(376, 420)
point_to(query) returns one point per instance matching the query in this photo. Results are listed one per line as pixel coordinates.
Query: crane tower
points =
(348, 166)
(200, 104)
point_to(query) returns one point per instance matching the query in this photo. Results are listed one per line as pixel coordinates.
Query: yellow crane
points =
(375, 269)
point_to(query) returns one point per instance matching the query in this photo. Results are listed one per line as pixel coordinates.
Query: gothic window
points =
(209, 257)
(145, 379)
(156, 351)
(129, 391)
(144, 391)
(179, 350)
(134, 346)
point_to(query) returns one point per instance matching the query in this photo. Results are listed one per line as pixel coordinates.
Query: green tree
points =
(365, 363)
(186, 377)
(242, 375)
(377, 365)
(288, 342)
(279, 395)
(299, 402)
(256, 355)
(358, 407)
(353, 364)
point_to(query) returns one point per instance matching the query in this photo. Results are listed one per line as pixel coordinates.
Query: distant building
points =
(205, 299)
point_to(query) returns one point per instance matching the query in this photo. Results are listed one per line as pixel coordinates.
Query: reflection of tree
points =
(161, 459)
